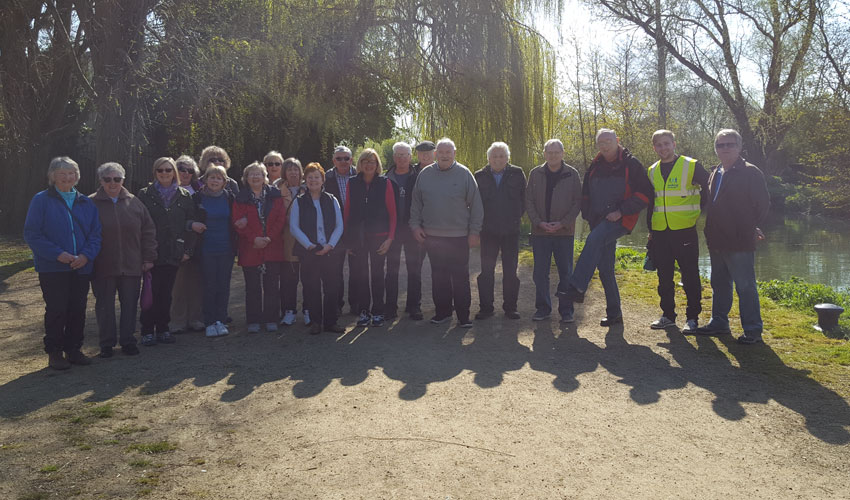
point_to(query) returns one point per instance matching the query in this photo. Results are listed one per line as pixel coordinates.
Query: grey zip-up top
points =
(446, 202)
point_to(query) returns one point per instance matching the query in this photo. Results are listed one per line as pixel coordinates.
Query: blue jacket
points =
(51, 229)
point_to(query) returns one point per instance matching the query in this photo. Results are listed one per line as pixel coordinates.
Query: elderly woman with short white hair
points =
(63, 230)
(127, 251)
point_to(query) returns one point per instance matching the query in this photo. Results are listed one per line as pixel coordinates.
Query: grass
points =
(48, 468)
(104, 411)
(130, 429)
(153, 447)
(140, 462)
(15, 256)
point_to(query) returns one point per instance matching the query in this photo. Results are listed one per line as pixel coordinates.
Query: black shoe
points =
(750, 339)
(315, 328)
(334, 328)
(464, 323)
(611, 321)
(391, 315)
(130, 349)
(416, 316)
(228, 320)
(710, 330)
(58, 361)
(437, 319)
(572, 294)
(78, 358)
(105, 352)
(483, 314)
(512, 315)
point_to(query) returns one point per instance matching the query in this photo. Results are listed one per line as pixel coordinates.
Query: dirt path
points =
(507, 409)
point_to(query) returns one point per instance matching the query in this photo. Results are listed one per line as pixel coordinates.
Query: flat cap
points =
(426, 146)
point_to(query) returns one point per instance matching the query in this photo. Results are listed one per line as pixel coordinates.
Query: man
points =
(446, 215)
(336, 180)
(737, 202)
(614, 191)
(425, 154)
(671, 215)
(403, 175)
(502, 190)
(553, 201)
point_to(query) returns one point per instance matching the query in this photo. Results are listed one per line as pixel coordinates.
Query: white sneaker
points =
(222, 328)
(662, 323)
(306, 317)
(288, 318)
(212, 330)
(271, 327)
(691, 326)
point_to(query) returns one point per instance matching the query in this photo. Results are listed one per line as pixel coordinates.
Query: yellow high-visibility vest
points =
(676, 199)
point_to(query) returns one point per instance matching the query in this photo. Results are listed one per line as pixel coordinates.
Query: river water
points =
(816, 250)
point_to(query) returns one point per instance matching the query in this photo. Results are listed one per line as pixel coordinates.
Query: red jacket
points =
(275, 210)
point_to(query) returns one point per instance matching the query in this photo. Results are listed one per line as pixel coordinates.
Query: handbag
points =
(146, 298)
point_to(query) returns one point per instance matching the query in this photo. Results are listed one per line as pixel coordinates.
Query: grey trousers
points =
(128, 289)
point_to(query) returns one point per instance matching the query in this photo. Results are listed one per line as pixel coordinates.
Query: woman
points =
(274, 166)
(215, 204)
(370, 220)
(187, 293)
(316, 223)
(259, 216)
(63, 230)
(128, 250)
(173, 213)
(214, 155)
(290, 187)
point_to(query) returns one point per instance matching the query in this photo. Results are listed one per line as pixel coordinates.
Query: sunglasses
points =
(164, 170)
(725, 145)
(216, 160)
(274, 164)
(184, 170)
(342, 158)
(116, 180)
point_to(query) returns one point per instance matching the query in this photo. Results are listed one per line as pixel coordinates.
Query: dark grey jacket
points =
(504, 203)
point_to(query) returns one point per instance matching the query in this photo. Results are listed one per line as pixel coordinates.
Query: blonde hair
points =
(273, 154)
(216, 170)
(255, 166)
(212, 152)
(367, 153)
(169, 160)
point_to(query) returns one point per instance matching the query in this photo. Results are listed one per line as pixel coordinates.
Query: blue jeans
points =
(216, 271)
(738, 268)
(600, 250)
(544, 248)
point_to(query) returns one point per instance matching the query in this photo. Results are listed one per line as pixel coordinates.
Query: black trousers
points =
(413, 257)
(156, 318)
(290, 273)
(366, 276)
(682, 247)
(340, 265)
(491, 245)
(450, 275)
(262, 293)
(320, 276)
(65, 295)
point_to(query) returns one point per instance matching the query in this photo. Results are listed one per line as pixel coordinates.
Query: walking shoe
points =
(712, 330)
(572, 294)
(662, 323)
(57, 361)
(464, 323)
(254, 328)
(288, 318)
(416, 315)
(611, 321)
(750, 339)
(568, 318)
(211, 330)
(148, 339)
(483, 314)
(690, 326)
(105, 352)
(196, 326)
(512, 315)
(540, 316)
(378, 320)
(271, 327)
(78, 358)
(334, 328)
(306, 317)
(130, 349)
(365, 318)
(221, 328)
(165, 338)
(315, 329)
(437, 319)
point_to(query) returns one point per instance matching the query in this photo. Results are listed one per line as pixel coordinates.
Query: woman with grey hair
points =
(127, 251)
(63, 230)
(188, 285)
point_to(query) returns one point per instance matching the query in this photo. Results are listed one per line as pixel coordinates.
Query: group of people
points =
(171, 247)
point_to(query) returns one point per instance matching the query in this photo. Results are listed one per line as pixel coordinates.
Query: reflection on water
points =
(816, 250)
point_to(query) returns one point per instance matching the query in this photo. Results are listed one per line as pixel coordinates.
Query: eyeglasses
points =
(184, 170)
(342, 158)
(216, 160)
(164, 170)
(725, 145)
(274, 164)
(116, 180)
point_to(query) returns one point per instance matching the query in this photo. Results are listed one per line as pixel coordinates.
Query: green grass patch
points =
(153, 448)
(140, 462)
(15, 256)
(33, 495)
(49, 468)
(103, 411)
(131, 429)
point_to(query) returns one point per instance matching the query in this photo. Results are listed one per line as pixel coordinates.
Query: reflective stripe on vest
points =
(676, 199)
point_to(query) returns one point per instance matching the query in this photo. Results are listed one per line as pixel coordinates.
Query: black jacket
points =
(504, 203)
(622, 185)
(174, 236)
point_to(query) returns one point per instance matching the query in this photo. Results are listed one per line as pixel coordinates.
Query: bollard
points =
(827, 316)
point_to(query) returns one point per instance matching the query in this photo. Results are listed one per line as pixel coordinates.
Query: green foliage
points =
(801, 295)
(152, 448)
